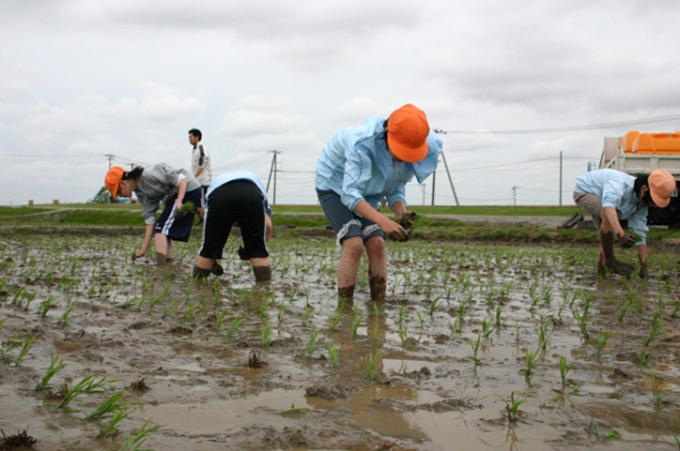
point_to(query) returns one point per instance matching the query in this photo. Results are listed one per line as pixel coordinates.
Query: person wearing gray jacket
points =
(159, 183)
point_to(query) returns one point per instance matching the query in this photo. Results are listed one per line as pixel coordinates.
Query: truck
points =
(638, 153)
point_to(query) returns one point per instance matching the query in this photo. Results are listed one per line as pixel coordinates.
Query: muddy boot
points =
(161, 260)
(378, 286)
(262, 273)
(611, 263)
(217, 269)
(201, 273)
(345, 296)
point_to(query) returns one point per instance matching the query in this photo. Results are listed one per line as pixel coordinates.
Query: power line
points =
(576, 128)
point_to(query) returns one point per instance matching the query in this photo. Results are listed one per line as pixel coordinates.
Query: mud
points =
(228, 365)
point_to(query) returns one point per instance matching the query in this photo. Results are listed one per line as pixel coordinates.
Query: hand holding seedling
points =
(394, 231)
(407, 220)
(183, 208)
(138, 253)
(627, 240)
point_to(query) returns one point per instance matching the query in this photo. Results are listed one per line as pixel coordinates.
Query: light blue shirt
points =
(357, 165)
(616, 190)
(241, 174)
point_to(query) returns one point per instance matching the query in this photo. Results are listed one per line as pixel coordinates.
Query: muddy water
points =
(436, 367)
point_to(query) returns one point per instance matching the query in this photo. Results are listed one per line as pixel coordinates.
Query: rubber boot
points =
(262, 273)
(378, 286)
(161, 259)
(610, 262)
(201, 273)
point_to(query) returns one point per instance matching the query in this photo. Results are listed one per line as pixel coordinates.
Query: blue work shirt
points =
(241, 174)
(616, 190)
(357, 165)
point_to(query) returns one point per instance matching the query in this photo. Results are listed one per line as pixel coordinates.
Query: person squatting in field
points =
(358, 167)
(610, 195)
(153, 185)
(241, 197)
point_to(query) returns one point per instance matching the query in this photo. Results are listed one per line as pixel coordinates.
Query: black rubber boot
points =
(610, 262)
(378, 286)
(262, 273)
(201, 273)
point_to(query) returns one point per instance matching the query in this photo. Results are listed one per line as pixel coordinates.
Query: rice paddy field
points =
(480, 345)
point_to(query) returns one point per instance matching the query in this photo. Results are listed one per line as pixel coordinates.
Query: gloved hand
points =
(242, 253)
(643, 271)
(627, 240)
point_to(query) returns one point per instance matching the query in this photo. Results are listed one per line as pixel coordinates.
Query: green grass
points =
(6, 212)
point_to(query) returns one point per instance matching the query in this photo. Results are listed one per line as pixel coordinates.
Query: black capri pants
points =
(236, 201)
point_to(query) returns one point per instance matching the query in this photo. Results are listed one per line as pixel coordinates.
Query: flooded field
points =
(479, 346)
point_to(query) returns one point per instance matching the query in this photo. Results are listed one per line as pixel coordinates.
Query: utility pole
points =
(453, 189)
(110, 157)
(448, 173)
(560, 178)
(273, 170)
(434, 179)
(514, 196)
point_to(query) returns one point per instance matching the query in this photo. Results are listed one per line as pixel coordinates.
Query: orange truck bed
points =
(635, 142)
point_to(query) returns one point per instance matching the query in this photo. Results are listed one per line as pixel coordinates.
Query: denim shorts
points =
(344, 221)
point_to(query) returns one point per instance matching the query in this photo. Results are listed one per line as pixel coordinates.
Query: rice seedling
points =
(264, 306)
(136, 440)
(310, 346)
(333, 354)
(235, 326)
(656, 330)
(512, 405)
(543, 332)
(64, 319)
(110, 428)
(498, 318)
(308, 314)
(12, 342)
(611, 435)
(28, 298)
(25, 347)
(455, 326)
(565, 369)
(16, 299)
(475, 345)
(582, 321)
(656, 385)
(487, 329)
(334, 322)
(219, 318)
(601, 342)
(51, 371)
(421, 322)
(266, 335)
(531, 359)
(643, 355)
(369, 366)
(107, 408)
(86, 386)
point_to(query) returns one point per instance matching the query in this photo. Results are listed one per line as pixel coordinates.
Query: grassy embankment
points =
(432, 222)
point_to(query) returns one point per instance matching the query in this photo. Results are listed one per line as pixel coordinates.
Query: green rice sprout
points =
(64, 320)
(565, 369)
(310, 346)
(266, 335)
(531, 359)
(88, 385)
(52, 370)
(110, 428)
(333, 354)
(25, 347)
(475, 345)
(601, 342)
(369, 366)
(136, 440)
(108, 408)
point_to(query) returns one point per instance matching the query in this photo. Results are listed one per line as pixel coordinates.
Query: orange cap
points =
(407, 131)
(113, 178)
(661, 187)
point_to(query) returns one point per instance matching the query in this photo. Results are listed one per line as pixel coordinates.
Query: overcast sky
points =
(82, 79)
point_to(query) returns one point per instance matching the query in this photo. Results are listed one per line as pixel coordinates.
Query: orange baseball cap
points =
(113, 178)
(661, 187)
(407, 131)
